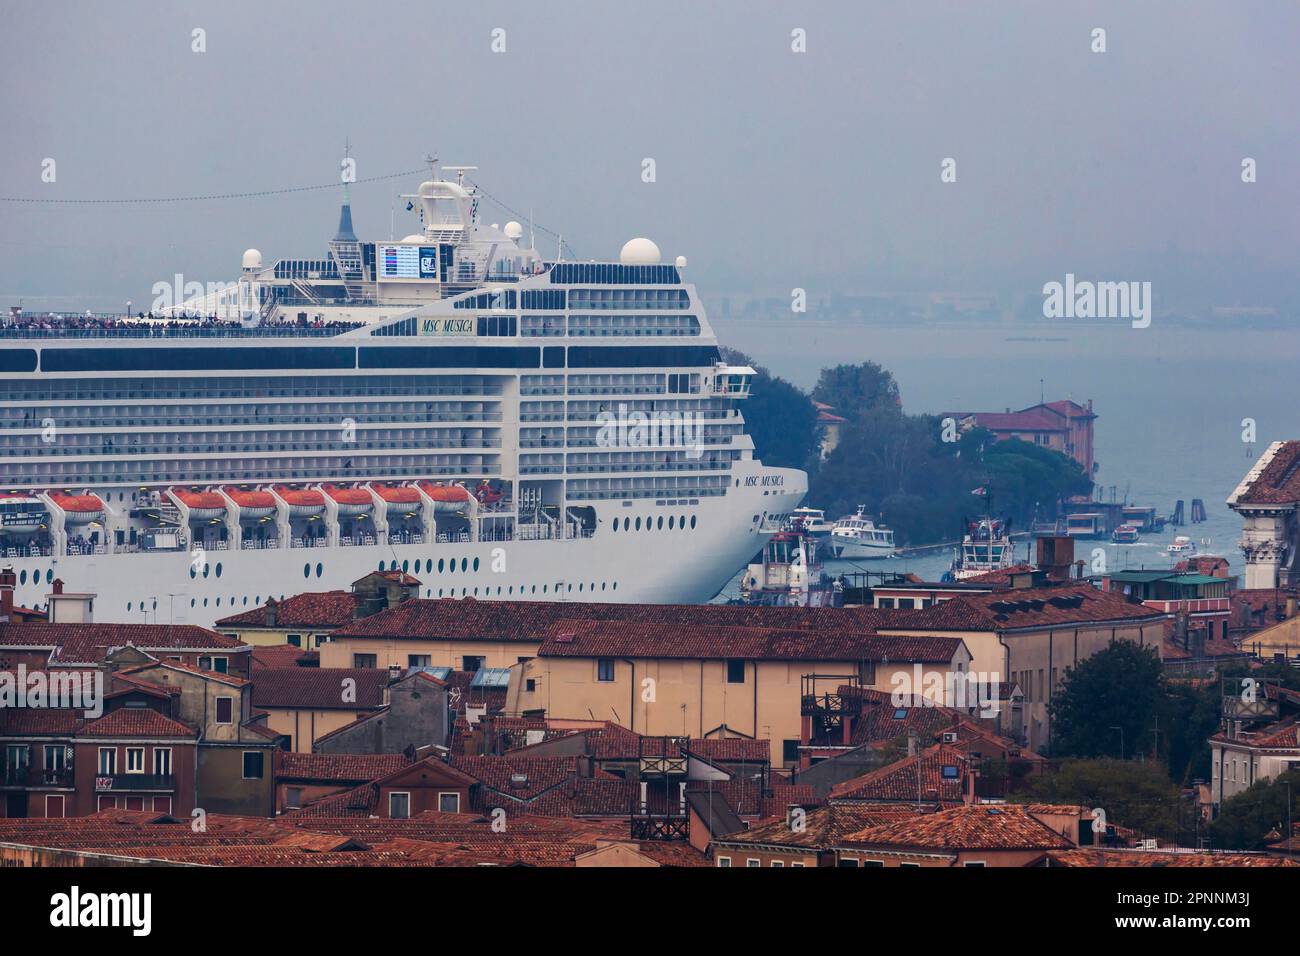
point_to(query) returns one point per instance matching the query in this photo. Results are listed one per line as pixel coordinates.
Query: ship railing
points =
(274, 331)
(29, 552)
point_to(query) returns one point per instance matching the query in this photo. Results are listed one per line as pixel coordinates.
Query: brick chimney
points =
(272, 612)
(8, 581)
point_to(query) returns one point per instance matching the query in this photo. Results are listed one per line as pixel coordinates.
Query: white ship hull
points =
(852, 549)
(648, 566)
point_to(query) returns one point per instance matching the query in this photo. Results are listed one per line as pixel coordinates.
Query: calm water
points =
(1170, 401)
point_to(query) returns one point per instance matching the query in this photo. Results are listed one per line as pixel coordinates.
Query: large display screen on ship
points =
(408, 262)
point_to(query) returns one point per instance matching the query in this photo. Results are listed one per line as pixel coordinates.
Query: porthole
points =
(306, 570)
(381, 565)
(207, 569)
(681, 522)
(660, 526)
(451, 566)
(441, 562)
(638, 523)
(670, 522)
(439, 592)
(205, 602)
(602, 585)
(545, 588)
(692, 522)
(476, 564)
(218, 602)
(464, 591)
(615, 586)
(498, 590)
(534, 589)
(49, 576)
(615, 524)
(476, 592)
(218, 569)
(627, 523)
(245, 600)
(579, 587)
(417, 565)
(22, 578)
(192, 602)
(464, 564)
(193, 573)
(320, 569)
(128, 607)
(406, 566)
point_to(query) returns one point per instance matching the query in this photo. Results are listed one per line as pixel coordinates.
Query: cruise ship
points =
(452, 405)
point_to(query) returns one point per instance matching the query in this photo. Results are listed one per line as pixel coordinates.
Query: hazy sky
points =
(774, 169)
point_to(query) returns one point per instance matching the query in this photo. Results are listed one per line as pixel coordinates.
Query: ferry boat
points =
(858, 537)
(1181, 546)
(453, 405)
(986, 546)
(1125, 534)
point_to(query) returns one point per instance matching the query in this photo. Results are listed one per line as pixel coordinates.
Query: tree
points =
(779, 417)
(855, 390)
(1134, 795)
(1108, 697)
(1258, 816)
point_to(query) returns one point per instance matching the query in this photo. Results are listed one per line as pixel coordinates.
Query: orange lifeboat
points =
(302, 501)
(80, 509)
(203, 505)
(351, 501)
(447, 498)
(398, 498)
(252, 504)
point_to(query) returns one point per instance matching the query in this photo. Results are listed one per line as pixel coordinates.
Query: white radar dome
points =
(639, 252)
(252, 259)
(414, 237)
(514, 230)
(681, 262)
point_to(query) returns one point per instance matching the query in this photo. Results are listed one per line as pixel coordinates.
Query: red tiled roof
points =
(1160, 858)
(1279, 482)
(283, 655)
(1029, 608)
(470, 619)
(1002, 576)
(337, 768)
(231, 680)
(824, 826)
(90, 643)
(313, 609)
(975, 827)
(901, 781)
(318, 688)
(39, 721)
(1026, 421)
(627, 639)
(136, 722)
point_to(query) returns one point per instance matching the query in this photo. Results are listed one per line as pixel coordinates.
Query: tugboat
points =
(812, 524)
(858, 537)
(1125, 534)
(986, 546)
(787, 572)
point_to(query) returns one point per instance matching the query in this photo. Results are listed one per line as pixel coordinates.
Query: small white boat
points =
(858, 537)
(1125, 534)
(1182, 546)
(986, 546)
(811, 522)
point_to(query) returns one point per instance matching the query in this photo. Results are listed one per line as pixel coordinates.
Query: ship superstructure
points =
(452, 405)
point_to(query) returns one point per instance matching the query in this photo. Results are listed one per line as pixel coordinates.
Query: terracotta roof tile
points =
(337, 768)
(136, 722)
(1279, 482)
(90, 643)
(976, 827)
(318, 688)
(1028, 608)
(941, 779)
(311, 609)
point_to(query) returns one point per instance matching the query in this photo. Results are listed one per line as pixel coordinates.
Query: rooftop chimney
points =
(272, 612)
(8, 581)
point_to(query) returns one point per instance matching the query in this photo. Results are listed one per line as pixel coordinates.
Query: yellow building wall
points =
(690, 697)
(441, 653)
(305, 727)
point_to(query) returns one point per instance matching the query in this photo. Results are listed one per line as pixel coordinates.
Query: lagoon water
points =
(1170, 401)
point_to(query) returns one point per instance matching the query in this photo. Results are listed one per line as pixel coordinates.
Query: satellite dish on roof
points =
(513, 230)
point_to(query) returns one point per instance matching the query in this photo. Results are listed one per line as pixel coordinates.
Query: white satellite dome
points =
(514, 230)
(414, 237)
(252, 259)
(639, 252)
(681, 262)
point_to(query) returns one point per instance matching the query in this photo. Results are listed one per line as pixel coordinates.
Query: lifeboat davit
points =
(398, 498)
(302, 501)
(447, 498)
(351, 501)
(252, 504)
(203, 505)
(21, 513)
(80, 509)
